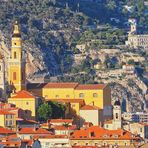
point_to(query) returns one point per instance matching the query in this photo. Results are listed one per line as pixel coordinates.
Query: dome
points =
(117, 102)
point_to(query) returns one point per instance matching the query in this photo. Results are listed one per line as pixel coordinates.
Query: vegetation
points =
(44, 112)
(51, 110)
(54, 27)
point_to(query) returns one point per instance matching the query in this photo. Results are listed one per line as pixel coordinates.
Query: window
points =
(67, 96)
(14, 55)
(27, 103)
(57, 96)
(140, 129)
(0, 68)
(117, 116)
(15, 43)
(73, 105)
(95, 95)
(14, 75)
(8, 122)
(81, 95)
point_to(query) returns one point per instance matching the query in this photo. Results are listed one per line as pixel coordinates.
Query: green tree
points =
(44, 112)
(58, 109)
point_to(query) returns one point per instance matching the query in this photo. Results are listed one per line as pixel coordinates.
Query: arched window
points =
(95, 95)
(117, 116)
(14, 55)
(14, 75)
(81, 95)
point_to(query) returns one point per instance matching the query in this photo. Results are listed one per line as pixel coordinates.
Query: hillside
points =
(52, 29)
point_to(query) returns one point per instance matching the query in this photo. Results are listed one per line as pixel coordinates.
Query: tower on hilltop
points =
(16, 64)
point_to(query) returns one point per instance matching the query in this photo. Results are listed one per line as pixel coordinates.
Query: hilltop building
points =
(136, 40)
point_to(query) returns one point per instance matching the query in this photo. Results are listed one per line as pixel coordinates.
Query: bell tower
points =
(117, 114)
(16, 64)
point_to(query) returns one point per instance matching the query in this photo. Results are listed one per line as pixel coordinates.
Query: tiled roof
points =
(89, 107)
(61, 127)
(23, 94)
(60, 120)
(60, 85)
(11, 143)
(96, 132)
(90, 86)
(4, 112)
(32, 130)
(6, 131)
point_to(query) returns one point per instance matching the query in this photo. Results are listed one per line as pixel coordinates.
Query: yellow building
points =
(16, 63)
(92, 94)
(7, 119)
(98, 95)
(26, 101)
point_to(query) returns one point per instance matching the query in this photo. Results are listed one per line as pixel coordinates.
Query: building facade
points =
(27, 102)
(16, 63)
(2, 77)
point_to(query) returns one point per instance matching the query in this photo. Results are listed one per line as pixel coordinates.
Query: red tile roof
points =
(101, 133)
(90, 86)
(60, 120)
(23, 94)
(11, 143)
(32, 130)
(4, 112)
(61, 85)
(89, 107)
(6, 131)
(60, 127)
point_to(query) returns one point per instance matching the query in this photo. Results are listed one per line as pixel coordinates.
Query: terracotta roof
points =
(89, 107)
(145, 124)
(61, 127)
(32, 130)
(96, 132)
(6, 131)
(60, 85)
(4, 112)
(11, 143)
(60, 120)
(23, 94)
(90, 86)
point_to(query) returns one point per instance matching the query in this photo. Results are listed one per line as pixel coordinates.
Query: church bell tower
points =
(16, 64)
